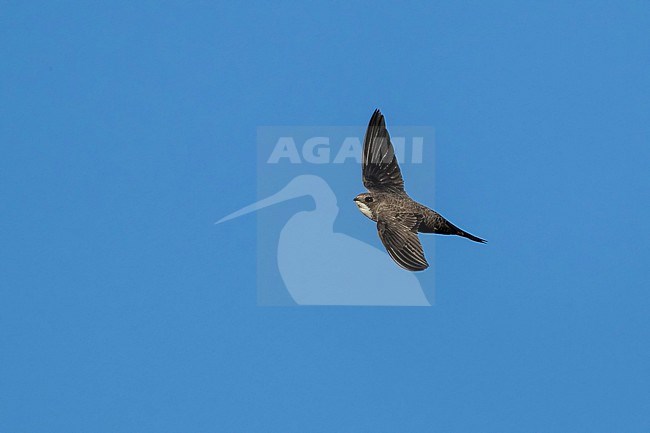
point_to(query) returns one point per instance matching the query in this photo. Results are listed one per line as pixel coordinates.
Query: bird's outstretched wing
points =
(379, 166)
(399, 236)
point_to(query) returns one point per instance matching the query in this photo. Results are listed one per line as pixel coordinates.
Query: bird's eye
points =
(368, 199)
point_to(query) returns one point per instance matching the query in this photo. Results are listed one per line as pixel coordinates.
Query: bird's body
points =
(399, 218)
(428, 221)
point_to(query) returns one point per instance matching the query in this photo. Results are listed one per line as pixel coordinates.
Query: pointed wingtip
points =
(471, 237)
(376, 119)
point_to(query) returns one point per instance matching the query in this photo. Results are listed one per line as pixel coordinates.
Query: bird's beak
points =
(303, 185)
(286, 193)
(355, 199)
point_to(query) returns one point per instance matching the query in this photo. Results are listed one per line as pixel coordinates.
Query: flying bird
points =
(399, 218)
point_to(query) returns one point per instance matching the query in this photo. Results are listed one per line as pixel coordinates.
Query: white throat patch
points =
(364, 209)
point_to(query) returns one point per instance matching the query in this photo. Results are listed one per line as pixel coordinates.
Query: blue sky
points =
(128, 129)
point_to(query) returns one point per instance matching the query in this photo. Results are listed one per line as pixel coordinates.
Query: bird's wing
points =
(380, 170)
(399, 236)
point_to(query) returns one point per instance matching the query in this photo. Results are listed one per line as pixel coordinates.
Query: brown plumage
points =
(399, 218)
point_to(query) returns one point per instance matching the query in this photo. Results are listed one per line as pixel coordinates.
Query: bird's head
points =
(366, 203)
